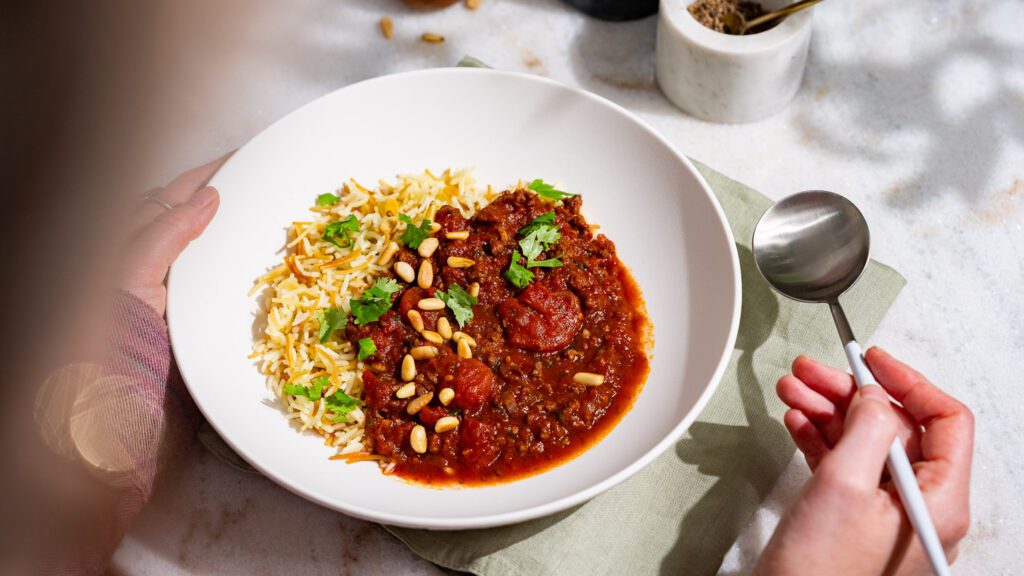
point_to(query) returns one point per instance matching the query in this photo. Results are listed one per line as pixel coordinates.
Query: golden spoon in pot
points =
(736, 23)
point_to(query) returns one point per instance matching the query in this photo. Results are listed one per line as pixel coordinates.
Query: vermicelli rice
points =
(316, 275)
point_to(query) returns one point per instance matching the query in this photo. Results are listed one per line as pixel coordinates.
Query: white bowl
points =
(726, 78)
(645, 195)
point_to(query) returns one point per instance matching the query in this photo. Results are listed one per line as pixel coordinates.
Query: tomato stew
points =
(519, 408)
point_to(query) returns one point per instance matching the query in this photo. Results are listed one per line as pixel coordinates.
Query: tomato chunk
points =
(473, 384)
(429, 415)
(541, 320)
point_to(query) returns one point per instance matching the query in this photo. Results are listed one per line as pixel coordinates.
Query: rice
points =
(316, 275)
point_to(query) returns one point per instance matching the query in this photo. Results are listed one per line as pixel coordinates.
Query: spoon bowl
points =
(812, 246)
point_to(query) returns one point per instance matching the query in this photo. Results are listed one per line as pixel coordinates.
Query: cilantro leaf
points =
(330, 320)
(459, 302)
(539, 240)
(341, 404)
(546, 218)
(314, 390)
(366, 348)
(337, 232)
(516, 274)
(375, 301)
(549, 263)
(327, 199)
(545, 190)
(413, 235)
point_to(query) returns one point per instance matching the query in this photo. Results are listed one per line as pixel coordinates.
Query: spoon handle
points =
(776, 14)
(903, 475)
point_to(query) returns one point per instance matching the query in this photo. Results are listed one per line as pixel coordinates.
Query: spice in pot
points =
(712, 13)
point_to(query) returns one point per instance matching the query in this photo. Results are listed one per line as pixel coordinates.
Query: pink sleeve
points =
(152, 396)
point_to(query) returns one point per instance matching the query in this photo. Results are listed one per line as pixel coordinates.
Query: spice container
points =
(725, 78)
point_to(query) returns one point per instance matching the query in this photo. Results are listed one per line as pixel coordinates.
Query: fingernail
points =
(204, 197)
(873, 391)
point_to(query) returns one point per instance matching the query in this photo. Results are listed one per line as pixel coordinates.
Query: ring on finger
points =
(159, 201)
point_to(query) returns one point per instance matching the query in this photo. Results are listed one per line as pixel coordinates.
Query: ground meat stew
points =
(544, 371)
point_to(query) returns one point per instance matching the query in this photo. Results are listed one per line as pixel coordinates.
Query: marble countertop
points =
(915, 110)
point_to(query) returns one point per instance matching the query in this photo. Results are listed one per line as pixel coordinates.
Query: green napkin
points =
(681, 514)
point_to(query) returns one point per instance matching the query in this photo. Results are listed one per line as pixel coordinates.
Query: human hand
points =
(162, 234)
(848, 519)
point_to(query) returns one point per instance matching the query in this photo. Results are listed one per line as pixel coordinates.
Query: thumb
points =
(160, 243)
(869, 431)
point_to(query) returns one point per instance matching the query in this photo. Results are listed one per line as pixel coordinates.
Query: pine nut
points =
(446, 423)
(405, 271)
(423, 352)
(389, 251)
(444, 328)
(408, 368)
(460, 235)
(460, 262)
(418, 439)
(446, 395)
(426, 276)
(588, 378)
(427, 247)
(387, 27)
(458, 336)
(416, 319)
(418, 404)
(464, 350)
(432, 38)
(474, 289)
(432, 337)
(407, 390)
(430, 304)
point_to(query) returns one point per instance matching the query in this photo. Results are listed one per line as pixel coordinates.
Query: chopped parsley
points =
(337, 232)
(414, 235)
(330, 320)
(366, 348)
(549, 263)
(546, 218)
(375, 301)
(341, 404)
(327, 199)
(313, 391)
(545, 190)
(539, 240)
(516, 273)
(538, 236)
(459, 302)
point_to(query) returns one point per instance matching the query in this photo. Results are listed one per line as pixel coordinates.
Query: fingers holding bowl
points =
(179, 191)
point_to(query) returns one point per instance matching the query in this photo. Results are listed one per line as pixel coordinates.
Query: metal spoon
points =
(811, 247)
(737, 24)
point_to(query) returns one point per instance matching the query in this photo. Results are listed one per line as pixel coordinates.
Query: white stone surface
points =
(913, 109)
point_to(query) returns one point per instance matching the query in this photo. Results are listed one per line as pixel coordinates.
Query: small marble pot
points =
(724, 78)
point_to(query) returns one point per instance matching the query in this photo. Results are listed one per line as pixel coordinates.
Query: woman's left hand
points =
(162, 234)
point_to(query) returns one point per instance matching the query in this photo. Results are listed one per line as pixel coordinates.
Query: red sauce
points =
(520, 411)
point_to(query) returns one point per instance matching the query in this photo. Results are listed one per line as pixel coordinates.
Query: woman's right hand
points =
(848, 519)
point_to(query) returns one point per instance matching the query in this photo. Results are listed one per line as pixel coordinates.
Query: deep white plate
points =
(646, 197)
